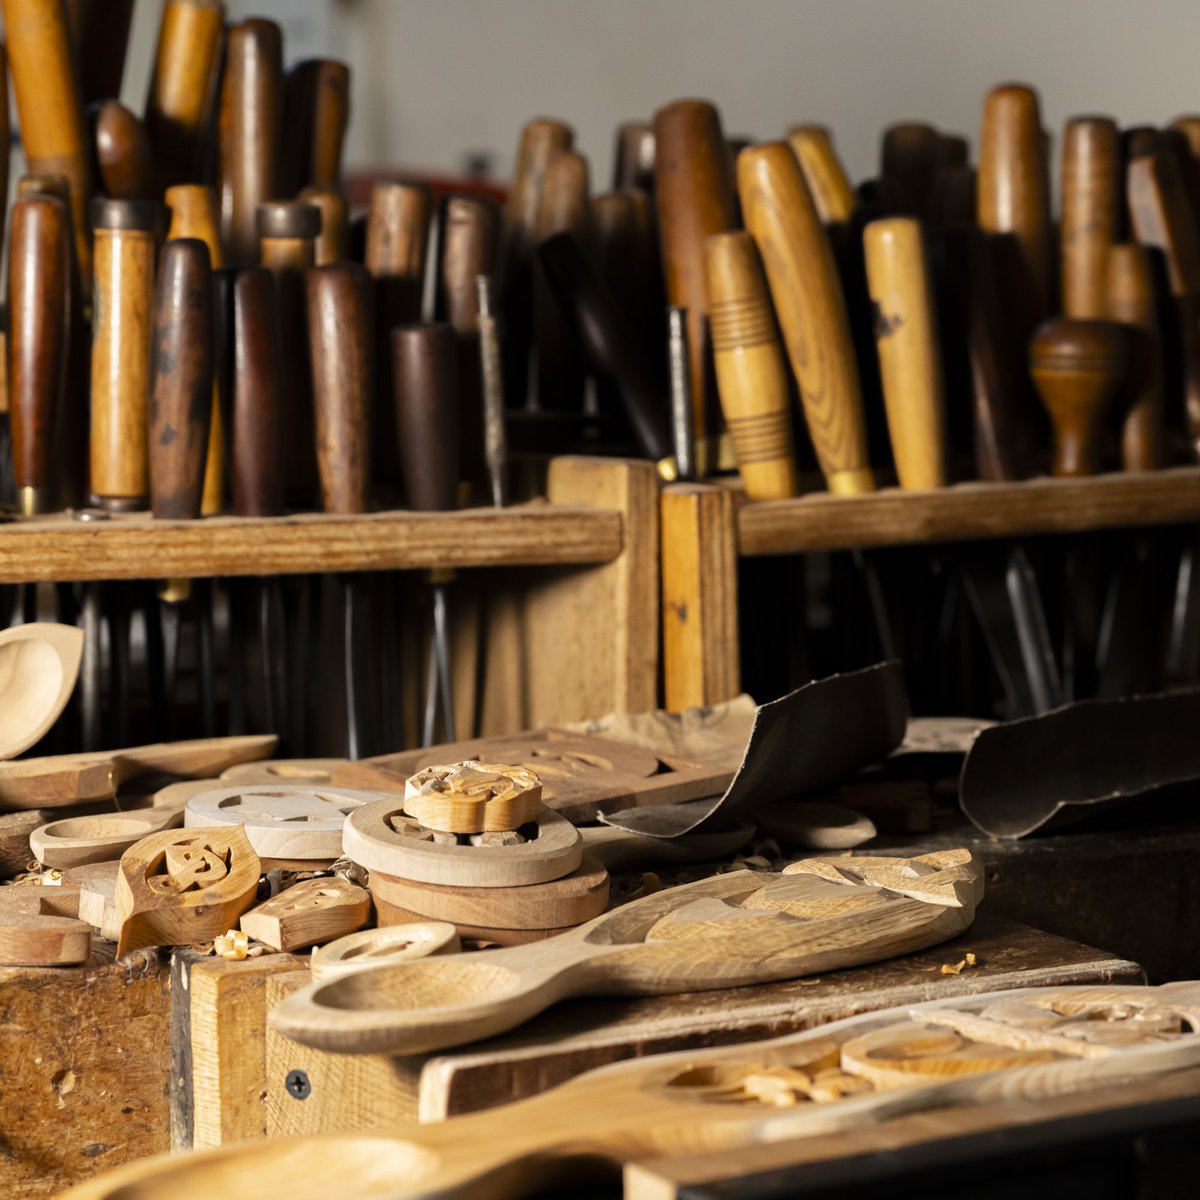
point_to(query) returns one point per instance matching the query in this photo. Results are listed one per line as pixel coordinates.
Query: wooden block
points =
(309, 913)
(40, 939)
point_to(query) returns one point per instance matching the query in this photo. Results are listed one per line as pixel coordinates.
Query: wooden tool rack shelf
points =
(706, 528)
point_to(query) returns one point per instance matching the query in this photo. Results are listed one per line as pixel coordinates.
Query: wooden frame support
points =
(699, 588)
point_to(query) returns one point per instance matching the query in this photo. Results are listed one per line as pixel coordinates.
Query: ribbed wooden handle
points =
(340, 327)
(752, 377)
(181, 388)
(39, 255)
(1078, 366)
(906, 338)
(807, 294)
(1091, 195)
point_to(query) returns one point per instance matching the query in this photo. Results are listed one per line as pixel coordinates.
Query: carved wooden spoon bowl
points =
(39, 664)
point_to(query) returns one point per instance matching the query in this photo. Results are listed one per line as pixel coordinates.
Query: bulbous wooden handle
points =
(1078, 366)
(181, 390)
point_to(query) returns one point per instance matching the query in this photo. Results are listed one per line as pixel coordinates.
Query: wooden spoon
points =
(39, 664)
(101, 837)
(720, 932)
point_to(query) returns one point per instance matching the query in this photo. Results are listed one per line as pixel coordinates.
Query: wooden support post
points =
(699, 590)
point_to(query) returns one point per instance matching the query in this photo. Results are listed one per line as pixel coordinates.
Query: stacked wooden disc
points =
(472, 844)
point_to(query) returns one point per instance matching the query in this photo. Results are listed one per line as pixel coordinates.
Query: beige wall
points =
(436, 79)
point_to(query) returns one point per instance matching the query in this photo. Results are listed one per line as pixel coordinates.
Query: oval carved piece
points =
(558, 904)
(379, 837)
(383, 947)
(282, 821)
(473, 797)
(39, 664)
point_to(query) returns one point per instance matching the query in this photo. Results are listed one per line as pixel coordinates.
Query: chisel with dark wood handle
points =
(256, 464)
(331, 241)
(50, 106)
(38, 264)
(125, 166)
(99, 33)
(183, 87)
(910, 154)
(633, 162)
(811, 308)
(1091, 199)
(317, 108)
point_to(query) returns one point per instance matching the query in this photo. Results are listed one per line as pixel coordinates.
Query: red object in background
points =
(358, 186)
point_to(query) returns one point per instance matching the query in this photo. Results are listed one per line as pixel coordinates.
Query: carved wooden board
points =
(308, 913)
(739, 928)
(580, 775)
(948, 1054)
(39, 664)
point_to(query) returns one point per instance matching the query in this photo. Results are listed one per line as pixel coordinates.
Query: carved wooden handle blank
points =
(1130, 295)
(257, 458)
(808, 299)
(1091, 194)
(1078, 366)
(909, 356)
(39, 254)
(752, 376)
(181, 388)
(693, 188)
(827, 180)
(340, 326)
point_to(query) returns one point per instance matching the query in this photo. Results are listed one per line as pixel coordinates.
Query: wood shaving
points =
(958, 967)
(233, 945)
(650, 884)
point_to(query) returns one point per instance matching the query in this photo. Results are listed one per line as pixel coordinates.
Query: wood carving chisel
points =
(331, 244)
(495, 444)
(99, 33)
(125, 167)
(910, 154)
(1091, 209)
(679, 377)
(633, 162)
(316, 113)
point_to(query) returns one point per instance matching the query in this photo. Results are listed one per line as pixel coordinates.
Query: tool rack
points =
(706, 528)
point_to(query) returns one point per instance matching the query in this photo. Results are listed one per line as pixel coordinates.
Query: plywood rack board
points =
(243, 1092)
(707, 527)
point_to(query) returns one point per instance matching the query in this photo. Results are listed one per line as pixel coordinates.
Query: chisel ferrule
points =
(32, 501)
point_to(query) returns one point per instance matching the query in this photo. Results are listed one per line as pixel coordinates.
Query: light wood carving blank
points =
(39, 664)
(473, 797)
(309, 913)
(76, 841)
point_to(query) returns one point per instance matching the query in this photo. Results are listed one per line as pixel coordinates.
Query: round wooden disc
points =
(383, 948)
(299, 822)
(571, 900)
(392, 916)
(282, 771)
(408, 851)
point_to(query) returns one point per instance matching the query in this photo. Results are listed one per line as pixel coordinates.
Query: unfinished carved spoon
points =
(39, 664)
(101, 837)
(734, 929)
(865, 1070)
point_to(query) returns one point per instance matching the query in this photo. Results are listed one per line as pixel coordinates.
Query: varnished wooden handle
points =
(39, 254)
(181, 389)
(124, 160)
(808, 299)
(828, 183)
(257, 458)
(469, 230)
(633, 162)
(910, 154)
(752, 377)
(50, 105)
(330, 246)
(252, 106)
(183, 82)
(1014, 184)
(125, 236)
(99, 33)
(694, 195)
(541, 141)
(1078, 366)
(906, 337)
(1131, 301)
(318, 112)
(5, 136)
(397, 242)
(1091, 195)
(340, 326)
(424, 375)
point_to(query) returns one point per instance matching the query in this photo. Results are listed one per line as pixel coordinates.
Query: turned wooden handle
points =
(340, 326)
(330, 246)
(424, 376)
(693, 190)
(39, 256)
(318, 111)
(99, 33)
(633, 162)
(125, 235)
(541, 141)
(906, 337)
(397, 241)
(181, 375)
(183, 81)
(252, 107)
(752, 378)
(257, 460)
(808, 299)
(1091, 196)
(828, 183)
(124, 160)
(469, 229)
(910, 154)
(1079, 367)
(1131, 301)
(1014, 184)
(50, 105)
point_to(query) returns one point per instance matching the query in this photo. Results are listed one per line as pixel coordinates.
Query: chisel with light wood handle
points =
(38, 271)
(1091, 198)
(906, 337)
(781, 217)
(50, 106)
(827, 180)
(752, 378)
(693, 189)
